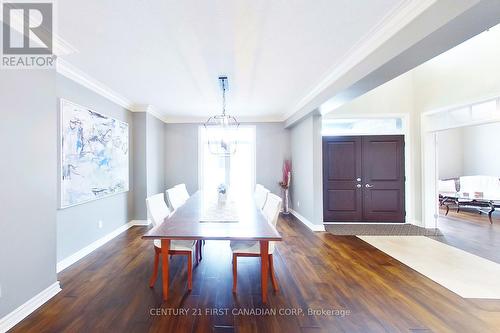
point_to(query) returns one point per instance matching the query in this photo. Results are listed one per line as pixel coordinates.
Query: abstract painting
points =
(94, 155)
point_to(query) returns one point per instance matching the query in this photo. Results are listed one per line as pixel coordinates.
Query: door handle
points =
(368, 186)
(358, 186)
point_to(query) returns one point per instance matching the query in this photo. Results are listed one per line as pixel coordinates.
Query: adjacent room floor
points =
(359, 289)
(472, 232)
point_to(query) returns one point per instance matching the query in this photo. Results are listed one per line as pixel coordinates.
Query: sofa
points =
(480, 192)
(447, 188)
(480, 187)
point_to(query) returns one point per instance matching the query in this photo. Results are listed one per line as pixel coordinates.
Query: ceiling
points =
(169, 53)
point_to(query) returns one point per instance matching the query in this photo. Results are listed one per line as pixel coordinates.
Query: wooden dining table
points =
(198, 219)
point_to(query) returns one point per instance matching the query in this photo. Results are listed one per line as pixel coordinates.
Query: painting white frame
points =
(60, 156)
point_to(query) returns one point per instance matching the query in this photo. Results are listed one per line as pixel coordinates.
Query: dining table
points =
(207, 216)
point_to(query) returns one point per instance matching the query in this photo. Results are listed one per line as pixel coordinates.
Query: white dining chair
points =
(271, 212)
(158, 211)
(183, 192)
(174, 197)
(260, 195)
(177, 196)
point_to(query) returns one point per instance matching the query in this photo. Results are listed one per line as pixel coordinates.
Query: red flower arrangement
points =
(287, 171)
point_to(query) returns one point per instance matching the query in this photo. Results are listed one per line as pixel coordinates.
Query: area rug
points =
(463, 273)
(380, 230)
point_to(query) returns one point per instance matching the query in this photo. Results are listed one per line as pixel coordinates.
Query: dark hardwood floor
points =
(472, 232)
(108, 292)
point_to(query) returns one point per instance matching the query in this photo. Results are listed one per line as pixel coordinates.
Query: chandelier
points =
(222, 129)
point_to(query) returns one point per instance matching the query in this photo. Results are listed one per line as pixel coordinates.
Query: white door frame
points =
(405, 131)
(429, 130)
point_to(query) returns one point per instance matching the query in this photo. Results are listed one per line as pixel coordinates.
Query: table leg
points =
(264, 264)
(165, 247)
(492, 209)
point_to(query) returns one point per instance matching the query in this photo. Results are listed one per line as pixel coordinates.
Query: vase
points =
(285, 202)
(222, 197)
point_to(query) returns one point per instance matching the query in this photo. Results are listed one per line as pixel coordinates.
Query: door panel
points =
(378, 163)
(341, 167)
(383, 178)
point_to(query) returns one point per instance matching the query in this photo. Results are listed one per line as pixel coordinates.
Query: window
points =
(465, 115)
(360, 126)
(236, 171)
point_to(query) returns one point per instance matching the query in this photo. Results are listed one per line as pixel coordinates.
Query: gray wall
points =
(302, 186)
(181, 158)
(317, 170)
(272, 145)
(155, 155)
(139, 161)
(181, 155)
(28, 174)
(77, 226)
(306, 190)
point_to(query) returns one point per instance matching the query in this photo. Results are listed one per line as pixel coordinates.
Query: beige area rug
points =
(463, 273)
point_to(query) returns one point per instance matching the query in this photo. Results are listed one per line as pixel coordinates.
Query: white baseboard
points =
(307, 223)
(140, 222)
(28, 307)
(68, 261)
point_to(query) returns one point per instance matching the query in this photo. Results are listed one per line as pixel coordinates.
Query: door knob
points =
(358, 186)
(368, 186)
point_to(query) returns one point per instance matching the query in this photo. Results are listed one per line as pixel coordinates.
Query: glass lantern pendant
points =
(221, 130)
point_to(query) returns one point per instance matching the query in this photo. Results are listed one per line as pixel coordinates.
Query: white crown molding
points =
(71, 72)
(393, 22)
(200, 120)
(148, 109)
(307, 223)
(13, 318)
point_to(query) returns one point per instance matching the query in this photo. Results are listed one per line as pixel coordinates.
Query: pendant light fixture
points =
(222, 129)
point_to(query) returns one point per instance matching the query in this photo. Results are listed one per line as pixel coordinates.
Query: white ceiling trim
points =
(148, 108)
(71, 72)
(388, 27)
(200, 120)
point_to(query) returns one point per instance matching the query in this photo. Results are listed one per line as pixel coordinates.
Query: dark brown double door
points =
(364, 179)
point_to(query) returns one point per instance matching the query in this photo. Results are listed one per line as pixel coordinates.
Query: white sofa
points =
(480, 187)
(447, 188)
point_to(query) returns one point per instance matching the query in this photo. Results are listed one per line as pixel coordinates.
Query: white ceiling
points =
(170, 53)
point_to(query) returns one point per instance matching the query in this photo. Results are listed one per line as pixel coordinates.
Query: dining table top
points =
(203, 216)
